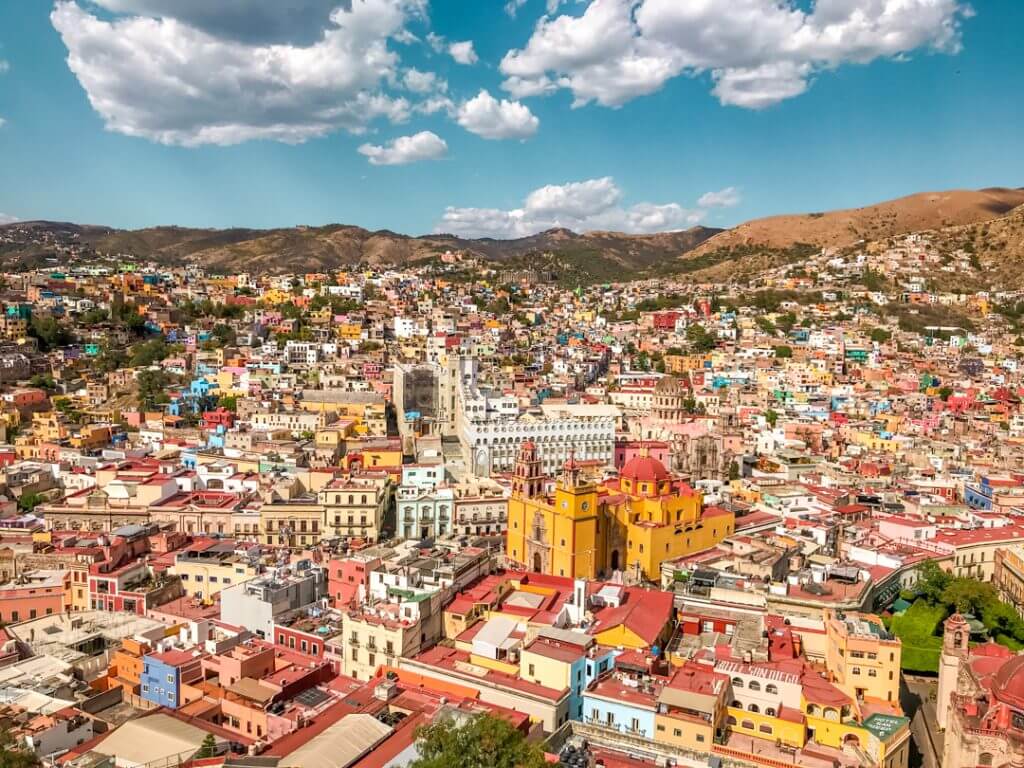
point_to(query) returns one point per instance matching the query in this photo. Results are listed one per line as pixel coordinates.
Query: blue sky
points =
(622, 114)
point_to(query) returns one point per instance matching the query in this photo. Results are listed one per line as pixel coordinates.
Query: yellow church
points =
(590, 530)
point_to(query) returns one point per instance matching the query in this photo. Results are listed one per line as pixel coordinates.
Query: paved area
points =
(918, 700)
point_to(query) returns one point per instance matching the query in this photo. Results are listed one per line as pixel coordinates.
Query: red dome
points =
(644, 469)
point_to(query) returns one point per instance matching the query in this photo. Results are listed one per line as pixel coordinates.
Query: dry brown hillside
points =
(927, 210)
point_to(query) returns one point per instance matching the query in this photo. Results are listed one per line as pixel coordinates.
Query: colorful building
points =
(587, 529)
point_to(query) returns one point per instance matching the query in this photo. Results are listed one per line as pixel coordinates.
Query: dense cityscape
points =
(298, 517)
(511, 384)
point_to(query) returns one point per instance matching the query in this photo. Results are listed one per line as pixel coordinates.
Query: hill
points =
(760, 243)
(301, 249)
(706, 253)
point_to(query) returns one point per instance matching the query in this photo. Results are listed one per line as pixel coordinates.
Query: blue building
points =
(164, 673)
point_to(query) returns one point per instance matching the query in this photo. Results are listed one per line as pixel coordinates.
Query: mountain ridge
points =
(598, 255)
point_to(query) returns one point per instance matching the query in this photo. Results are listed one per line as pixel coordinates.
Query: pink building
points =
(35, 594)
(627, 450)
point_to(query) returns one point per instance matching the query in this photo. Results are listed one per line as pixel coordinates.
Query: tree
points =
(945, 393)
(49, 332)
(14, 754)
(152, 389)
(482, 741)
(700, 339)
(43, 381)
(932, 581)
(208, 748)
(968, 595)
(148, 352)
(224, 333)
(771, 417)
(786, 322)
(29, 501)
(880, 335)
(783, 351)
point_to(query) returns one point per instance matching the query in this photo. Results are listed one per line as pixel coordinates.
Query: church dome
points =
(668, 385)
(644, 469)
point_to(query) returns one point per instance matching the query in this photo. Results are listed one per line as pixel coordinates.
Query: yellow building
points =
(863, 659)
(587, 529)
(205, 572)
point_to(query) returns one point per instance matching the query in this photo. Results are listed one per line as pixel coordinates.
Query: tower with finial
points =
(956, 636)
(528, 479)
(571, 471)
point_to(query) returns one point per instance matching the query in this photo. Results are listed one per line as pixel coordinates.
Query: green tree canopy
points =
(968, 595)
(482, 742)
(14, 754)
(208, 748)
(932, 581)
(700, 339)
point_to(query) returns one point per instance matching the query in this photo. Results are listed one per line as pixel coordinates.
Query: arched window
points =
(730, 720)
(985, 758)
(753, 708)
(737, 682)
(770, 711)
(754, 685)
(736, 704)
(770, 688)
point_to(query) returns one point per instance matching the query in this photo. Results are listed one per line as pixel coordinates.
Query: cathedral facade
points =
(587, 529)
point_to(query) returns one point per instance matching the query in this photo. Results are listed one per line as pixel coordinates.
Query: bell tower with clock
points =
(577, 550)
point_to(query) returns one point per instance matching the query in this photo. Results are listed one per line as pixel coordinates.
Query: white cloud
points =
(435, 104)
(756, 52)
(295, 21)
(463, 52)
(5, 66)
(406, 149)
(581, 206)
(7, 219)
(168, 81)
(723, 198)
(436, 42)
(3, 122)
(512, 7)
(491, 118)
(418, 81)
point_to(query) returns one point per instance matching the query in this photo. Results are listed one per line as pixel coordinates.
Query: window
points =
(765, 729)
(753, 708)
(170, 678)
(737, 682)
(872, 673)
(771, 688)
(754, 685)
(770, 711)
(700, 737)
